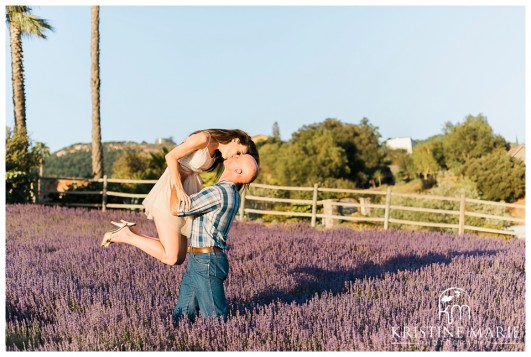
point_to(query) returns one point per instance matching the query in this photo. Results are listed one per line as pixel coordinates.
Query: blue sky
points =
(168, 71)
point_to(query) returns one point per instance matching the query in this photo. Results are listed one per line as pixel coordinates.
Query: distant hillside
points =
(258, 138)
(76, 160)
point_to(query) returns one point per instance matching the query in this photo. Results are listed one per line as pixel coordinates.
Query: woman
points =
(202, 150)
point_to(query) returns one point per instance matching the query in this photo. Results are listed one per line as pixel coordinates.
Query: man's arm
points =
(203, 202)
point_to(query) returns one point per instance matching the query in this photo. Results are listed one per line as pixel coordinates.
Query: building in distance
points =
(162, 140)
(518, 151)
(401, 143)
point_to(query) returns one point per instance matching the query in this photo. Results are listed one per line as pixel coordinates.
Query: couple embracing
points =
(180, 208)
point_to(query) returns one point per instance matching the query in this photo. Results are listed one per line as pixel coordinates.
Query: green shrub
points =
(466, 187)
(22, 164)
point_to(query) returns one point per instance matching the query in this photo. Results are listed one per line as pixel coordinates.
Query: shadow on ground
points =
(312, 280)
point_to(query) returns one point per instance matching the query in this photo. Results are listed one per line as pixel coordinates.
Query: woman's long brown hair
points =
(225, 136)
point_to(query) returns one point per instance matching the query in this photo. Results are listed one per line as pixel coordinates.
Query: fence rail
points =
(329, 217)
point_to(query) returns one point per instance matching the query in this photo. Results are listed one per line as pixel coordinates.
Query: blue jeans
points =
(202, 287)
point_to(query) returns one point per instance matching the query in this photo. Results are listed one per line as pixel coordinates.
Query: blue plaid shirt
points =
(214, 209)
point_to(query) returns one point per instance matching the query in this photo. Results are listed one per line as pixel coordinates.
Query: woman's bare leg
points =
(135, 230)
(169, 248)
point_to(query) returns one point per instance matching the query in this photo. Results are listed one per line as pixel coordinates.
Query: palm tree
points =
(378, 174)
(21, 22)
(42, 152)
(97, 147)
(157, 163)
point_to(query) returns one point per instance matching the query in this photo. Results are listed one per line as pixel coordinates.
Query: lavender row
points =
(290, 288)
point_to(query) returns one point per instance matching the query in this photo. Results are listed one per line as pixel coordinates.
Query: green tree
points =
(437, 150)
(378, 176)
(472, 139)
(402, 159)
(22, 162)
(498, 176)
(368, 154)
(313, 158)
(357, 144)
(157, 164)
(276, 132)
(131, 164)
(424, 160)
(272, 162)
(97, 146)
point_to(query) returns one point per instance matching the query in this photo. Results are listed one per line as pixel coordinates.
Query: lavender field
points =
(290, 288)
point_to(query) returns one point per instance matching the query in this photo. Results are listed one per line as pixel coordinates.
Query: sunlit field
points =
(290, 288)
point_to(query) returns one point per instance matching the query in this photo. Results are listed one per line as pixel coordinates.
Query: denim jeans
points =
(202, 287)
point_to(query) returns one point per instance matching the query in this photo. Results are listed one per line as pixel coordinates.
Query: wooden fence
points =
(329, 215)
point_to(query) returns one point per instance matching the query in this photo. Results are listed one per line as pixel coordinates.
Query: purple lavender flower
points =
(290, 288)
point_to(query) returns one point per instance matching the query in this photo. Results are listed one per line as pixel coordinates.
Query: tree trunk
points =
(97, 147)
(17, 68)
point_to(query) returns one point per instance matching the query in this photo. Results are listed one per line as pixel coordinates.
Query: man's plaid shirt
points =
(214, 209)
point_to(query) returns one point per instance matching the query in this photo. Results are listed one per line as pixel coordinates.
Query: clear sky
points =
(168, 71)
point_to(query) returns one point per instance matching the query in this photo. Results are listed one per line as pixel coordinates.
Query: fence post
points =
(104, 194)
(39, 183)
(330, 209)
(462, 215)
(242, 205)
(37, 201)
(314, 204)
(387, 208)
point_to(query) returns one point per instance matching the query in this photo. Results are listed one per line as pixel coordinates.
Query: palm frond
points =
(11, 10)
(27, 23)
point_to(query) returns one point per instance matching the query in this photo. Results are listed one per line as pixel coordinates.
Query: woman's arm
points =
(203, 202)
(192, 143)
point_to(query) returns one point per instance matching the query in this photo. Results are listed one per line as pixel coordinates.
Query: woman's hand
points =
(191, 144)
(183, 199)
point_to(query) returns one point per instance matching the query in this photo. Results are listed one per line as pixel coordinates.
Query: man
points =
(215, 208)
